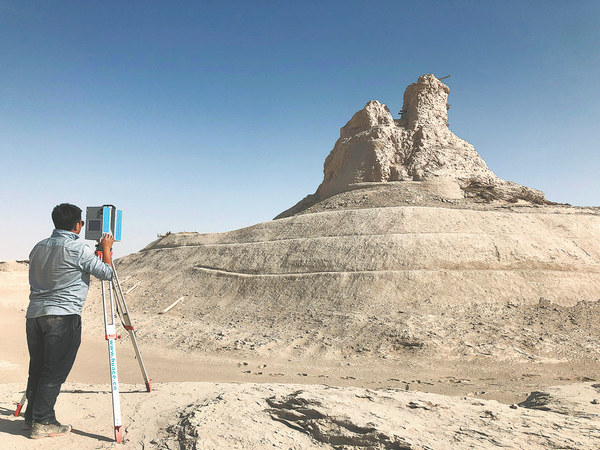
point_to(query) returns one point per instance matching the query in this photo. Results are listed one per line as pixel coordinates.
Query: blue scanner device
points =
(101, 220)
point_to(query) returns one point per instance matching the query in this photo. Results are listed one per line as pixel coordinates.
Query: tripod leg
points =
(114, 379)
(127, 324)
(20, 404)
(111, 336)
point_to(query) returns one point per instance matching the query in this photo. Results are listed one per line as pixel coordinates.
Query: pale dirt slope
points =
(390, 283)
(477, 356)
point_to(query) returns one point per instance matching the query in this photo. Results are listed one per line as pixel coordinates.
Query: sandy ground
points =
(253, 399)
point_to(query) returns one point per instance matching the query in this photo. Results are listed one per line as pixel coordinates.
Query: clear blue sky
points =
(213, 115)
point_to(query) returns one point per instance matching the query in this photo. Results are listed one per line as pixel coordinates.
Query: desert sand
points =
(248, 399)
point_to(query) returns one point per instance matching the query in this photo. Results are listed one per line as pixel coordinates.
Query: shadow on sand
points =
(15, 427)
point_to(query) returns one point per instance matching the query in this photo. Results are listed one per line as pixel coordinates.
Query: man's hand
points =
(106, 243)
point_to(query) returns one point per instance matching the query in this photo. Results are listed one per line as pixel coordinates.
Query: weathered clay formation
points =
(418, 147)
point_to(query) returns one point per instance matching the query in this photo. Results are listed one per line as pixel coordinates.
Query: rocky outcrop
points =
(418, 147)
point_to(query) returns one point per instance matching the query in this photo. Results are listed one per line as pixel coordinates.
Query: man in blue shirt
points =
(59, 277)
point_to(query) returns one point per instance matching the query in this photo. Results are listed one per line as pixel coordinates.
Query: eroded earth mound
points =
(410, 250)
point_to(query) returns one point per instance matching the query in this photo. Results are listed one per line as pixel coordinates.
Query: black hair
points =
(65, 216)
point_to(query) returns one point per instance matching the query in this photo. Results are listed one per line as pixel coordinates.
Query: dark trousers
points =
(53, 342)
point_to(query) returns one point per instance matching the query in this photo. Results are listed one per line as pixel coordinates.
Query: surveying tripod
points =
(115, 301)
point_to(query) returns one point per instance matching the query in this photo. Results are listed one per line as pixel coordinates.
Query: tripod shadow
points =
(91, 435)
(79, 391)
(103, 391)
(6, 411)
(15, 427)
(11, 426)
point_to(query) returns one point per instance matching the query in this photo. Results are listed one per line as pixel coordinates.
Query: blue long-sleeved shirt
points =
(59, 275)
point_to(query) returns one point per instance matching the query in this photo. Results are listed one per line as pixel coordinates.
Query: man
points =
(59, 277)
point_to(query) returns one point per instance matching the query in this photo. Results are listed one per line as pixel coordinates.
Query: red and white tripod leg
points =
(114, 385)
(111, 337)
(21, 403)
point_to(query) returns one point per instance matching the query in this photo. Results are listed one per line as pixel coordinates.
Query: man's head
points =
(67, 217)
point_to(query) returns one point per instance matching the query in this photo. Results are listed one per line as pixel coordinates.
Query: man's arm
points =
(106, 243)
(90, 263)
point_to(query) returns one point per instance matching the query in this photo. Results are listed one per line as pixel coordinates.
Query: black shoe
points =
(42, 430)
